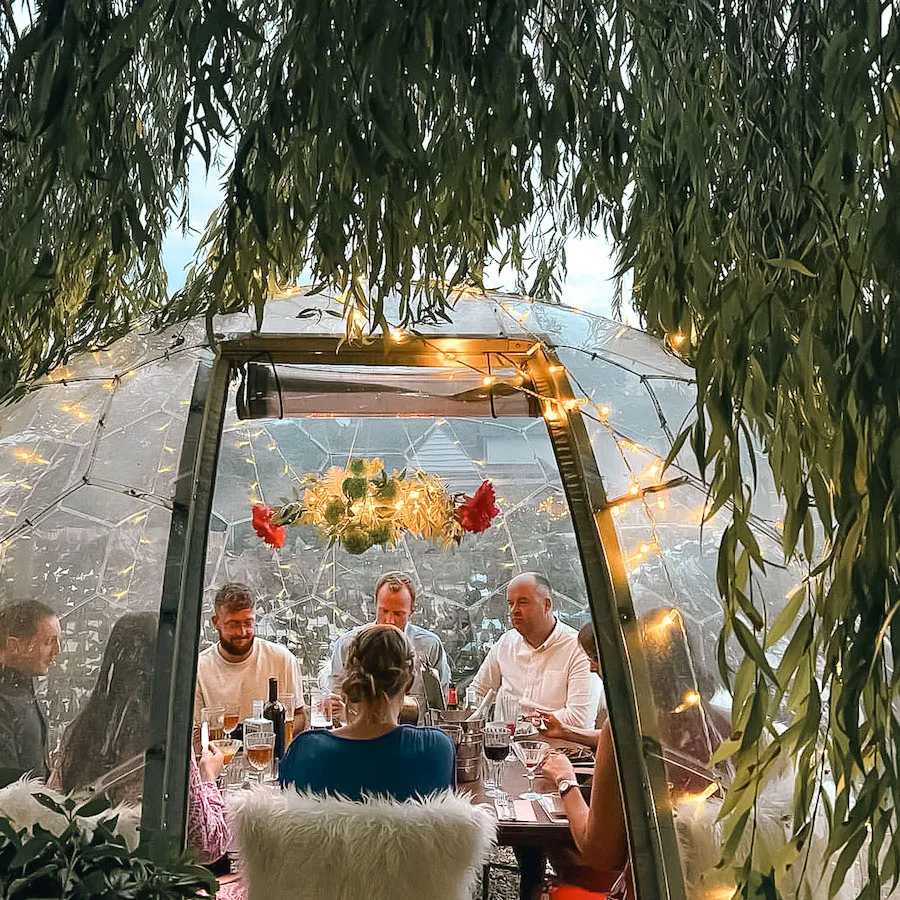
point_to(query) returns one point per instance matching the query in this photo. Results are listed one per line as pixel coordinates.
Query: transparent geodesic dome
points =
(90, 461)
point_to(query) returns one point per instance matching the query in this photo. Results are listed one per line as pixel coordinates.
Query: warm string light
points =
(31, 457)
(554, 410)
(551, 411)
(699, 797)
(690, 700)
(77, 411)
(721, 893)
(644, 550)
(660, 630)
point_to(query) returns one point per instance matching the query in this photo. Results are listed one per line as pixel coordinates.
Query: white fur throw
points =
(304, 847)
(17, 803)
(700, 835)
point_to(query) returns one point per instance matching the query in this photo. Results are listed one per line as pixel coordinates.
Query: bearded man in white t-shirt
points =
(237, 669)
(539, 663)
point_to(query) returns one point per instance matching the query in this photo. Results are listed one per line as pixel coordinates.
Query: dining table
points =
(530, 840)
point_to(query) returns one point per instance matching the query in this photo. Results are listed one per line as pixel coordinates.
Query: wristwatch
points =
(564, 786)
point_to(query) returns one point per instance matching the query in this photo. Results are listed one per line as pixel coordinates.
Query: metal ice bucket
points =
(467, 736)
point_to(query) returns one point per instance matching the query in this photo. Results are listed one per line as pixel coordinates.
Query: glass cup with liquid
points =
(531, 754)
(320, 715)
(496, 748)
(228, 747)
(214, 718)
(289, 702)
(259, 748)
(232, 718)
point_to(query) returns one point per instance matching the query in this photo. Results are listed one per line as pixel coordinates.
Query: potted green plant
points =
(87, 858)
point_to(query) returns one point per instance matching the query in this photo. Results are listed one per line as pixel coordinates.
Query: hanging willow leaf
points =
(744, 158)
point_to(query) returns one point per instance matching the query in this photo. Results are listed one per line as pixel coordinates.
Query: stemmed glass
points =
(496, 746)
(232, 718)
(510, 711)
(531, 754)
(260, 747)
(228, 747)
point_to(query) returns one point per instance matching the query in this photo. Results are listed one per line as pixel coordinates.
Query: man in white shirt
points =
(395, 602)
(237, 669)
(539, 662)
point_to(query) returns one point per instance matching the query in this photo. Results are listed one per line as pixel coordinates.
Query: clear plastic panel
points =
(309, 593)
(618, 399)
(95, 549)
(670, 547)
(568, 327)
(87, 474)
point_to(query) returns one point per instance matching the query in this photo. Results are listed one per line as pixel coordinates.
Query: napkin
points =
(524, 811)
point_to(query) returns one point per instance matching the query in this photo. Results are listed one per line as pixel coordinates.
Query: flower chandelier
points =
(362, 507)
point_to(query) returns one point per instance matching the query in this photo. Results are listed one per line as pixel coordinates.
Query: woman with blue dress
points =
(372, 755)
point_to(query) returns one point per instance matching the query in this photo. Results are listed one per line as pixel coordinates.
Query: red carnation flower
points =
(273, 535)
(475, 513)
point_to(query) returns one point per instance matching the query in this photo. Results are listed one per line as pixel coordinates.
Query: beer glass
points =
(214, 716)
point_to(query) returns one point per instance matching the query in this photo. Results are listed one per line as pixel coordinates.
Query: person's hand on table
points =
(211, 763)
(558, 767)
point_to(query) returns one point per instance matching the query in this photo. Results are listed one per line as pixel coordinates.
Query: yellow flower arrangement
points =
(362, 506)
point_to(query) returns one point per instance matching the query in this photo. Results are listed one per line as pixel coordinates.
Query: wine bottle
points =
(274, 711)
(452, 697)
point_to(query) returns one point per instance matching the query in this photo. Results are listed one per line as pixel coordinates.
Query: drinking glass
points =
(531, 754)
(214, 716)
(228, 747)
(288, 701)
(510, 710)
(319, 709)
(260, 749)
(232, 718)
(496, 746)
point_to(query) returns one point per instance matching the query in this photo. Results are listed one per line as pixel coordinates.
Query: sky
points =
(588, 284)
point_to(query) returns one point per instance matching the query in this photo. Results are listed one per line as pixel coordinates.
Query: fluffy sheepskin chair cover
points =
(18, 804)
(297, 846)
(700, 836)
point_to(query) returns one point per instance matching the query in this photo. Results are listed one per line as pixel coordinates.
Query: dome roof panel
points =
(85, 546)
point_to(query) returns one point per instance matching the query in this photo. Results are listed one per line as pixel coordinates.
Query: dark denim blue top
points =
(402, 763)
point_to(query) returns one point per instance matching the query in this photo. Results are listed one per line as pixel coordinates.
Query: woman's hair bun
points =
(380, 664)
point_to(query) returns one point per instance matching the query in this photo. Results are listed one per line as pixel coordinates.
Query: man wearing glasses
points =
(395, 603)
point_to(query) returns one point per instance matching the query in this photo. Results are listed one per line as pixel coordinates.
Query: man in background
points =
(539, 663)
(237, 669)
(29, 642)
(395, 603)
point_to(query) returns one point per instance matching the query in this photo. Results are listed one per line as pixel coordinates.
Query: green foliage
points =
(393, 146)
(74, 866)
(765, 225)
(743, 157)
